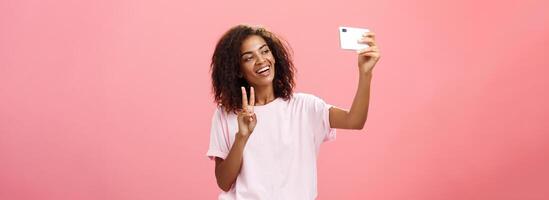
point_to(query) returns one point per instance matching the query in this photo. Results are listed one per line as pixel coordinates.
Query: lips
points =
(264, 71)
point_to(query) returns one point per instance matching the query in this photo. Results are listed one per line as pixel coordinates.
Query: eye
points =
(266, 51)
(247, 59)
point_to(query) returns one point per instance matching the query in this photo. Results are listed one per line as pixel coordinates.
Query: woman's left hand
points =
(367, 58)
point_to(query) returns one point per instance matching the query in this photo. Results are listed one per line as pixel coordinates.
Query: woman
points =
(265, 145)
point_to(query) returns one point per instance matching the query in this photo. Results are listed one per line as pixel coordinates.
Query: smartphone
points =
(349, 36)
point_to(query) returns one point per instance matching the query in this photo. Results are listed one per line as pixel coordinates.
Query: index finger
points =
(244, 98)
(369, 34)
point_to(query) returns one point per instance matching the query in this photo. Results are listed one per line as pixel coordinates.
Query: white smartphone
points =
(349, 36)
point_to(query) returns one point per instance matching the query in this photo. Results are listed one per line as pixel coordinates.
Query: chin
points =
(264, 82)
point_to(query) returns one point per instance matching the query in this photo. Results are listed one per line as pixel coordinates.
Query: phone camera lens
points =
(344, 30)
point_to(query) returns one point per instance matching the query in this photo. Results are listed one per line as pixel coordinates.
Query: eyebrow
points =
(249, 52)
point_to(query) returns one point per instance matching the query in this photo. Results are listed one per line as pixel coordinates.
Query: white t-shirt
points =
(279, 159)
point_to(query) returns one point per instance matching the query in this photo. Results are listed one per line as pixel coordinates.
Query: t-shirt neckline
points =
(268, 105)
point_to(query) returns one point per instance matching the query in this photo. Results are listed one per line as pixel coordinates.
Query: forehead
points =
(252, 43)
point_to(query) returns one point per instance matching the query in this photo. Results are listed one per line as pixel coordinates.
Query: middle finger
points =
(368, 41)
(252, 96)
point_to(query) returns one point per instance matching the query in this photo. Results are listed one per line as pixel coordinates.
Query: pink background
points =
(111, 99)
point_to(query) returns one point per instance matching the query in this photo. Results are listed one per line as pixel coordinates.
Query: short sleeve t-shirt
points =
(279, 159)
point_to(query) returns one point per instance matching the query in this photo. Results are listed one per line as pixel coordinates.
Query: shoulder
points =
(300, 96)
(307, 99)
(216, 114)
(219, 111)
(220, 115)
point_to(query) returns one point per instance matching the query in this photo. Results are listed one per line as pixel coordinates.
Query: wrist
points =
(367, 74)
(242, 137)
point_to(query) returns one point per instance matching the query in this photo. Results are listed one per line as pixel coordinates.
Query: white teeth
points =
(262, 69)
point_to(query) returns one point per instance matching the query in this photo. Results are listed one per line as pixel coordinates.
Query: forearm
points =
(359, 109)
(227, 171)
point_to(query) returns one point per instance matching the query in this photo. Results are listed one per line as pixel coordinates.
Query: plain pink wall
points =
(111, 99)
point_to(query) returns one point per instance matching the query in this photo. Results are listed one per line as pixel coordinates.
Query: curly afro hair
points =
(225, 66)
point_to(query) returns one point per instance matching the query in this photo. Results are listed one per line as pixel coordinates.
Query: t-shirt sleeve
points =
(219, 138)
(321, 110)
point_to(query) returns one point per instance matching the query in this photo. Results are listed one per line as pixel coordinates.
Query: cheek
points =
(272, 58)
(246, 68)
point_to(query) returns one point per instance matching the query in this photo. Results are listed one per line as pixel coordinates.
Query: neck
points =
(264, 94)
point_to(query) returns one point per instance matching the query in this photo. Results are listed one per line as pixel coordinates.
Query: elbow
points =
(356, 122)
(357, 126)
(223, 182)
(225, 189)
(224, 186)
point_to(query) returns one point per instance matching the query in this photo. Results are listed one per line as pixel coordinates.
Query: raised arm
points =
(355, 118)
(227, 170)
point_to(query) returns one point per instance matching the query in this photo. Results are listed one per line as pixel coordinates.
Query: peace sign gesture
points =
(246, 116)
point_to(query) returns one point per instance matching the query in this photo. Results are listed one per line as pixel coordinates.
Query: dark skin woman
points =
(251, 66)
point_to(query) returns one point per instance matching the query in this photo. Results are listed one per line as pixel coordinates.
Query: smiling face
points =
(257, 62)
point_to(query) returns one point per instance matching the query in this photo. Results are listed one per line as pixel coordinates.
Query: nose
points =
(260, 59)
